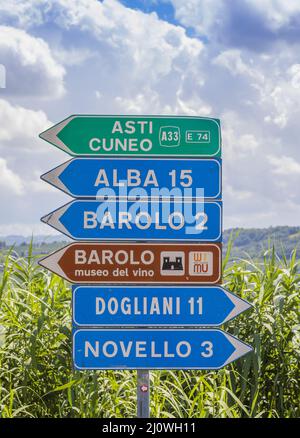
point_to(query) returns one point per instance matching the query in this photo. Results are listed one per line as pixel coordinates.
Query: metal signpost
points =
(137, 263)
(131, 306)
(149, 136)
(155, 349)
(139, 178)
(133, 220)
(147, 273)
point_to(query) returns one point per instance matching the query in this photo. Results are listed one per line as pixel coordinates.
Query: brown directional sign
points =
(137, 263)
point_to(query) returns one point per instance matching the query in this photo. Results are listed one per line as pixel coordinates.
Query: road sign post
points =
(143, 394)
(137, 263)
(150, 136)
(138, 220)
(148, 211)
(124, 178)
(155, 349)
(146, 306)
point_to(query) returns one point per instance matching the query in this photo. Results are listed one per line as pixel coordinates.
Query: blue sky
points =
(164, 9)
(238, 61)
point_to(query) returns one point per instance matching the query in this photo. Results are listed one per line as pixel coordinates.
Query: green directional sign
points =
(147, 136)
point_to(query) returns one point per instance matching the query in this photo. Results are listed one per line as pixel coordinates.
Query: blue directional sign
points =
(130, 178)
(160, 306)
(155, 349)
(134, 184)
(133, 220)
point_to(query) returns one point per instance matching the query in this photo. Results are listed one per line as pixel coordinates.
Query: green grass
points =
(37, 380)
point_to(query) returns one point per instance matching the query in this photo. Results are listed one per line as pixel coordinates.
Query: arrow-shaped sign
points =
(155, 349)
(95, 306)
(137, 263)
(147, 136)
(139, 178)
(138, 220)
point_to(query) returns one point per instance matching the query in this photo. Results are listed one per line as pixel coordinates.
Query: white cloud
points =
(233, 61)
(283, 165)
(213, 18)
(294, 75)
(268, 214)
(119, 60)
(72, 56)
(20, 124)
(125, 54)
(30, 67)
(239, 142)
(202, 15)
(281, 95)
(149, 102)
(240, 195)
(277, 13)
(264, 86)
(24, 13)
(24, 157)
(9, 181)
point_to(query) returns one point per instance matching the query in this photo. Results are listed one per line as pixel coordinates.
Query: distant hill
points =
(252, 241)
(18, 240)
